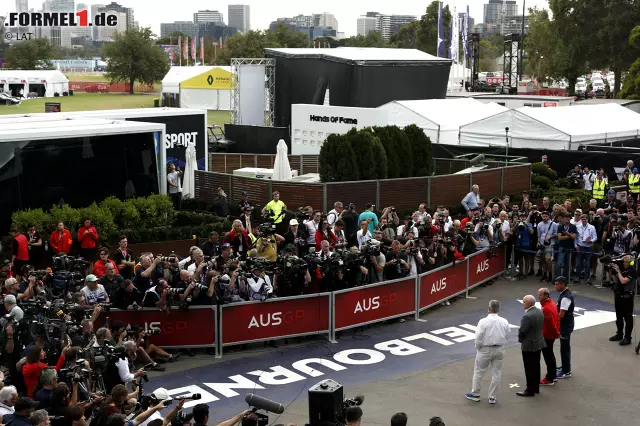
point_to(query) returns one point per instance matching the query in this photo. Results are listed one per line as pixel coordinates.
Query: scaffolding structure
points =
(511, 67)
(475, 62)
(269, 87)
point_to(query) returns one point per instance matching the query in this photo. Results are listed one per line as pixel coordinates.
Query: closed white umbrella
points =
(190, 167)
(281, 167)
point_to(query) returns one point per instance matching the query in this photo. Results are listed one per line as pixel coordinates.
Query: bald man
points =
(532, 343)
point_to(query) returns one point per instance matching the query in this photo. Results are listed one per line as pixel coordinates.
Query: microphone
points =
(195, 397)
(358, 399)
(264, 404)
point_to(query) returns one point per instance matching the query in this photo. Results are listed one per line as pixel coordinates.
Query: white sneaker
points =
(492, 400)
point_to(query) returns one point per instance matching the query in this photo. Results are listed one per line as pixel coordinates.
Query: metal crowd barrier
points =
(316, 314)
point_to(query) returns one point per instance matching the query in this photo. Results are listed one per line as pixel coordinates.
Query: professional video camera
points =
(290, 265)
(63, 262)
(75, 374)
(608, 261)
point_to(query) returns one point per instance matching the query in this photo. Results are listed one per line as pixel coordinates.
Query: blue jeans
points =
(563, 263)
(584, 256)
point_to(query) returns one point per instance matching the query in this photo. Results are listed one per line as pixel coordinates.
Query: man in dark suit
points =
(532, 343)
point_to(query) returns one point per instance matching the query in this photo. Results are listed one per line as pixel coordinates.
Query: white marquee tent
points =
(440, 119)
(561, 128)
(43, 82)
(199, 87)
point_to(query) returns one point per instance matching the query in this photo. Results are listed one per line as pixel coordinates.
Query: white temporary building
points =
(440, 119)
(561, 128)
(199, 87)
(43, 82)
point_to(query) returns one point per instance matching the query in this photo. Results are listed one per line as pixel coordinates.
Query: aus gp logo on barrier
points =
(61, 19)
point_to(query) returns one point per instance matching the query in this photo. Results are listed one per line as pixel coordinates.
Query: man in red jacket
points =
(60, 240)
(550, 332)
(88, 238)
(19, 252)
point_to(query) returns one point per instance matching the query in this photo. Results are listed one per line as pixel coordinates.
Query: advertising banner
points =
(274, 318)
(442, 284)
(373, 303)
(195, 326)
(181, 131)
(485, 265)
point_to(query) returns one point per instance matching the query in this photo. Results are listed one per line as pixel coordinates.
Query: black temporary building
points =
(355, 77)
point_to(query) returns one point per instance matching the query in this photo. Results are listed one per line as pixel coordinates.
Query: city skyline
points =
(152, 14)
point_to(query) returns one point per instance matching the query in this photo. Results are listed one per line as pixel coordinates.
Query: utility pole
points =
(524, 2)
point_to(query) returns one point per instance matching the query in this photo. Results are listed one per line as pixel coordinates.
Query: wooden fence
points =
(404, 194)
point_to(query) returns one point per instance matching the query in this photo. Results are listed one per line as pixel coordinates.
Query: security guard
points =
(634, 184)
(599, 185)
(566, 306)
(624, 289)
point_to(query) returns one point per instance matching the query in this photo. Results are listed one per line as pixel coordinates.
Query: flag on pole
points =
(202, 50)
(171, 49)
(465, 35)
(185, 54)
(441, 52)
(193, 48)
(220, 42)
(455, 34)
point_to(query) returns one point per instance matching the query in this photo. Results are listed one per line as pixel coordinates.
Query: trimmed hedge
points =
(142, 220)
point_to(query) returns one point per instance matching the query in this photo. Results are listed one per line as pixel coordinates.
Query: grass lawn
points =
(95, 101)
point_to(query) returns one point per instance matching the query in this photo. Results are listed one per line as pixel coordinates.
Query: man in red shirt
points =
(550, 332)
(470, 215)
(88, 238)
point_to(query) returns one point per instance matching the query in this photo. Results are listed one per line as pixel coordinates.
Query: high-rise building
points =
(386, 25)
(94, 11)
(492, 12)
(471, 21)
(22, 6)
(513, 24)
(189, 28)
(239, 17)
(511, 8)
(207, 16)
(366, 24)
(128, 14)
(325, 19)
(70, 36)
(107, 33)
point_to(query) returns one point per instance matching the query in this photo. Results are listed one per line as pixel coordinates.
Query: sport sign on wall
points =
(311, 124)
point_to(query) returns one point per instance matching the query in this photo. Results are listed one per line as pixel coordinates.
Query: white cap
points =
(293, 222)
(161, 394)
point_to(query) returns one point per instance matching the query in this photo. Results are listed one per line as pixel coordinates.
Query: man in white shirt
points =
(334, 215)
(312, 227)
(491, 337)
(589, 178)
(363, 234)
(584, 248)
(123, 364)
(93, 292)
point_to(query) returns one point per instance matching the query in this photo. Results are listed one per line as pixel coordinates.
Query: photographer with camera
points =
(211, 247)
(266, 247)
(259, 284)
(396, 265)
(576, 177)
(409, 225)
(31, 286)
(413, 256)
(389, 220)
(626, 277)
(296, 237)
(363, 234)
(156, 297)
(547, 231)
(292, 276)
(619, 242)
(334, 215)
(127, 297)
(469, 246)
(145, 274)
(523, 234)
(238, 238)
(312, 226)
(325, 233)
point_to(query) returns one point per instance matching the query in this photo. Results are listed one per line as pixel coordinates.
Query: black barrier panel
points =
(560, 161)
(363, 84)
(181, 131)
(256, 139)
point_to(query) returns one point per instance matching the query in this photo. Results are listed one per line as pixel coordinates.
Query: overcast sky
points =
(153, 12)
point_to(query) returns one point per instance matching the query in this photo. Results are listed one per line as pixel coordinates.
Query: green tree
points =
(407, 37)
(337, 161)
(372, 39)
(133, 56)
(421, 150)
(631, 88)
(428, 28)
(390, 148)
(403, 150)
(283, 36)
(31, 54)
(362, 143)
(382, 164)
(612, 49)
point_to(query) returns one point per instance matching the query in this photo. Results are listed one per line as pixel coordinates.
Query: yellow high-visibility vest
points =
(634, 184)
(598, 189)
